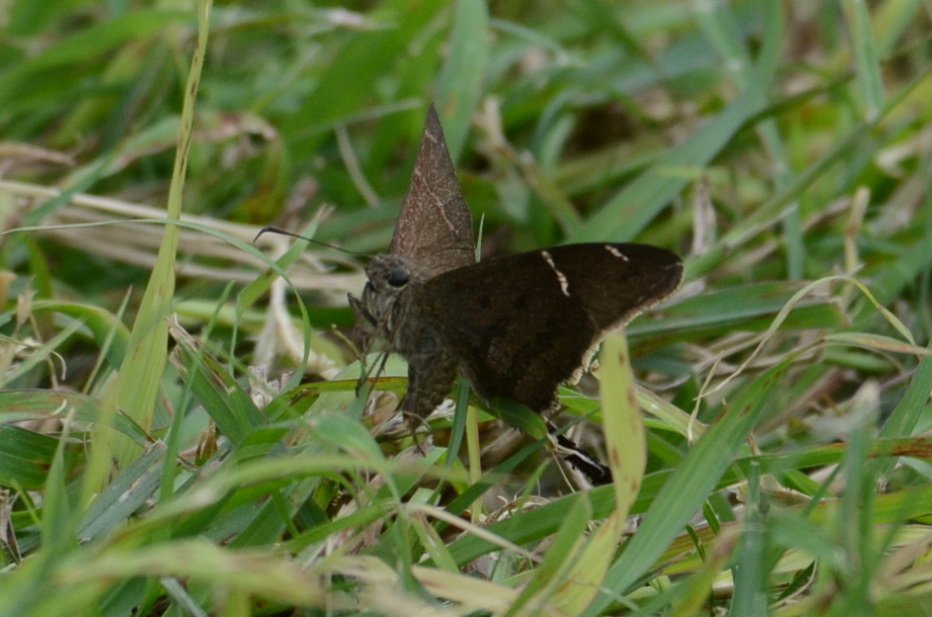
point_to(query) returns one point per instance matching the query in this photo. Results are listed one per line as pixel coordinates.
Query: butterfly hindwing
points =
(520, 325)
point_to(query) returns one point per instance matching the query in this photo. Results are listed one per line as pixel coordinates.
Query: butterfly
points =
(515, 326)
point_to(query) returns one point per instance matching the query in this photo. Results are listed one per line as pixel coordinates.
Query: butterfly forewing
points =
(434, 229)
(520, 325)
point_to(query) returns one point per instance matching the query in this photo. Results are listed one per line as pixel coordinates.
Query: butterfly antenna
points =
(284, 232)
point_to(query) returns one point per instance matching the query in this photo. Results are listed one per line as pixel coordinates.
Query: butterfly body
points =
(392, 304)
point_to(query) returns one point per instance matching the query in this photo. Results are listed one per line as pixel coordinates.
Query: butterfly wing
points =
(434, 229)
(521, 324)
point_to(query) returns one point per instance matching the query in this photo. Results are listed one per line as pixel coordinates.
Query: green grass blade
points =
(864, 50)
(141, 371)
(461, 79)
(684, 492)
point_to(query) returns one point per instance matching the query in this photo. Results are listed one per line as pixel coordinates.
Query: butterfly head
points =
(389, 276)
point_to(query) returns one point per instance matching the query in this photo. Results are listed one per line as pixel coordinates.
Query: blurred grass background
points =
(147, 468)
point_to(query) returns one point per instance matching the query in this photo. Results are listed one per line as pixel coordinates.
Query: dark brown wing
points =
(521, 324)
(434, 229)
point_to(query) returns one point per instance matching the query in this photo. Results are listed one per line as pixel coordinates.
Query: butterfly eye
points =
(398, 277)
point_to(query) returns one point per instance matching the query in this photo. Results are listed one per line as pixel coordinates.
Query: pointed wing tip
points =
(432, 122)
(434, 154)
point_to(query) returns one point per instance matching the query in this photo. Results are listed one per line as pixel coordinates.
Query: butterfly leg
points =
(360, 310)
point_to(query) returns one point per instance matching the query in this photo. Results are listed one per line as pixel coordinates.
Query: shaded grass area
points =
(160, 453)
